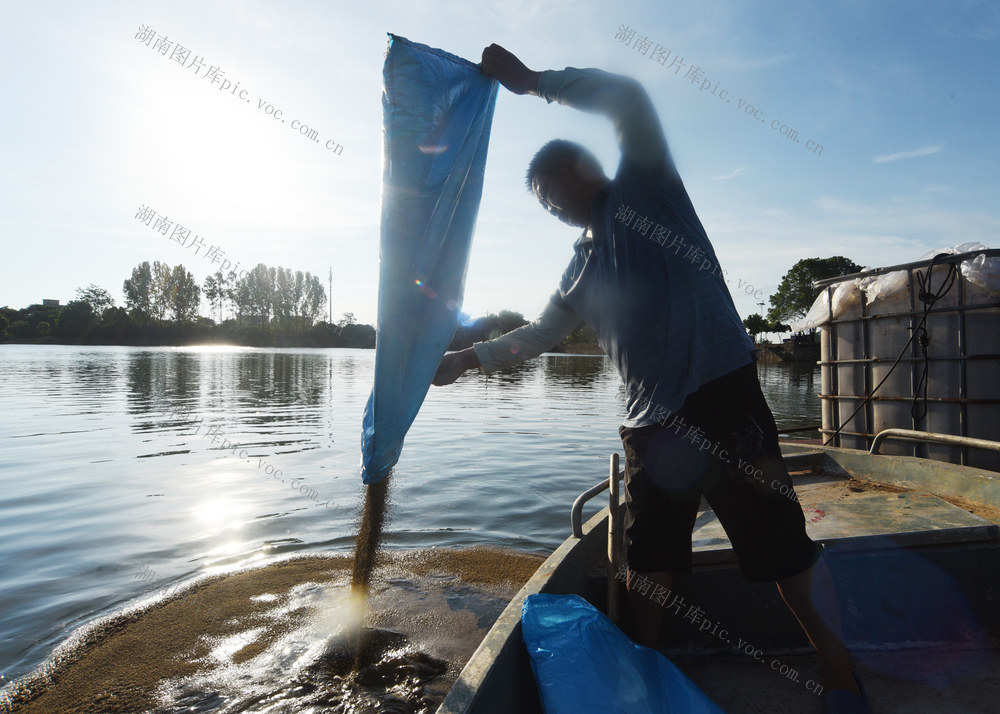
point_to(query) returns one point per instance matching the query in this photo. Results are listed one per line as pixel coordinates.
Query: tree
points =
(137, 289)
(509, 320)
(228, 288)
(98, 298)
(184, 295)
(75, 320)
(214, 290)
(114, 323)
(355, 335)
(795, 294)
(313, 299)
(298, 298)
(755, 325)
(254, 294)
(40, 313)
(286, 297)
(4, 324)
(347, 319)
(160, 290)
(584, 334)
(20, 328)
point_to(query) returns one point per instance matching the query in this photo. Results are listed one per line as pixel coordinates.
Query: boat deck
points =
(839, 507)
(910, 682)
(913, 547)
(849, 514)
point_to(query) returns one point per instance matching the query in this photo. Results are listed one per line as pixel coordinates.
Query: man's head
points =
(564, 177)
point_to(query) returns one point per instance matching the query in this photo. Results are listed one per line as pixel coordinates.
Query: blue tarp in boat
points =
(583, 663)
(437, 111)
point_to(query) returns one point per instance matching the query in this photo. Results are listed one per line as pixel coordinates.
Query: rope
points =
(918, 409)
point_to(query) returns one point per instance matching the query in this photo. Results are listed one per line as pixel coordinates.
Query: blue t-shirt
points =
(649, 283)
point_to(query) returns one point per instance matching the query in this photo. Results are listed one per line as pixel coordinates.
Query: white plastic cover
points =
(980, 270)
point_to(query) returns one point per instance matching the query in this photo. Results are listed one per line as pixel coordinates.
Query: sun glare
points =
(219, 514)
(238, 154)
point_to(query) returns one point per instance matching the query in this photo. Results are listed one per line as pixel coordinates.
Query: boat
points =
(914, 548)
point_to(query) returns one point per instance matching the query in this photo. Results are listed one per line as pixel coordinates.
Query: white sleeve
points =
(527, 341)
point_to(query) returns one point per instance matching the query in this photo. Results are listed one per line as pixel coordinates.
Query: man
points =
(646, 278)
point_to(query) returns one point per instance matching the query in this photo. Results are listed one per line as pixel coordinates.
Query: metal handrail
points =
(576, 514)
(614, 544)
(910, 435)
(944, 260)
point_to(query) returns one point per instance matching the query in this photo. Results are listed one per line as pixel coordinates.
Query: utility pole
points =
(330, 296)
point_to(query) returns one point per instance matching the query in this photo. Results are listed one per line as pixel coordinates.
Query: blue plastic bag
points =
(437, 111)
(584, 663)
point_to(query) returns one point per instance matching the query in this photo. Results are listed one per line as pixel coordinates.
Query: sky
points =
(97, 124)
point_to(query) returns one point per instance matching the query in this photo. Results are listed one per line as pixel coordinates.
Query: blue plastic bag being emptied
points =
(584, 663)
(437, 111)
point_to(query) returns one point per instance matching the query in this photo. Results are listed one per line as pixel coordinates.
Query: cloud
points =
(743, 63)
(886, 158)
(732, 174)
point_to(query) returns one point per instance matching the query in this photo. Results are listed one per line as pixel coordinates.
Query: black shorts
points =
(722, 444)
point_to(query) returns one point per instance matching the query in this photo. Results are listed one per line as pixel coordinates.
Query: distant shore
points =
(579, 348)
(352, 336)
(365, 342)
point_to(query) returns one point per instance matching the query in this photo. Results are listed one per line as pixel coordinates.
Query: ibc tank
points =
(861, 339)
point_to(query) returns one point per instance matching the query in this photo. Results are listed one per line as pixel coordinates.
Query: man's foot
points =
(841, 701)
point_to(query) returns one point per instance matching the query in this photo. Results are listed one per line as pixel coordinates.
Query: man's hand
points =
(509, 70)
(454, 365)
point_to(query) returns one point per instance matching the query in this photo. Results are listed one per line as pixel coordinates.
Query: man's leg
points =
(757, 505)
(660, 511)
(811, 597)
(645, 614)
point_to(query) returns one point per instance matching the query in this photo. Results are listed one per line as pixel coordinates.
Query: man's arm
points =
(528, 341)
(524, 343)
(621, 99)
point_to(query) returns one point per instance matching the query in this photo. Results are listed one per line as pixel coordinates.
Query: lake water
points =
(117, 480)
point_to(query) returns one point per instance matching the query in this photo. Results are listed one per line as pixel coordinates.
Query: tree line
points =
(796, 294)
(265, 306)
(269, 306)
(263, 297)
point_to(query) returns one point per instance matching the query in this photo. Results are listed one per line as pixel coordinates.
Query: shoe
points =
(841, 701)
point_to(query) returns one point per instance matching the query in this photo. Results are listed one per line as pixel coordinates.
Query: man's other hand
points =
(454, 365)
(509, 70)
